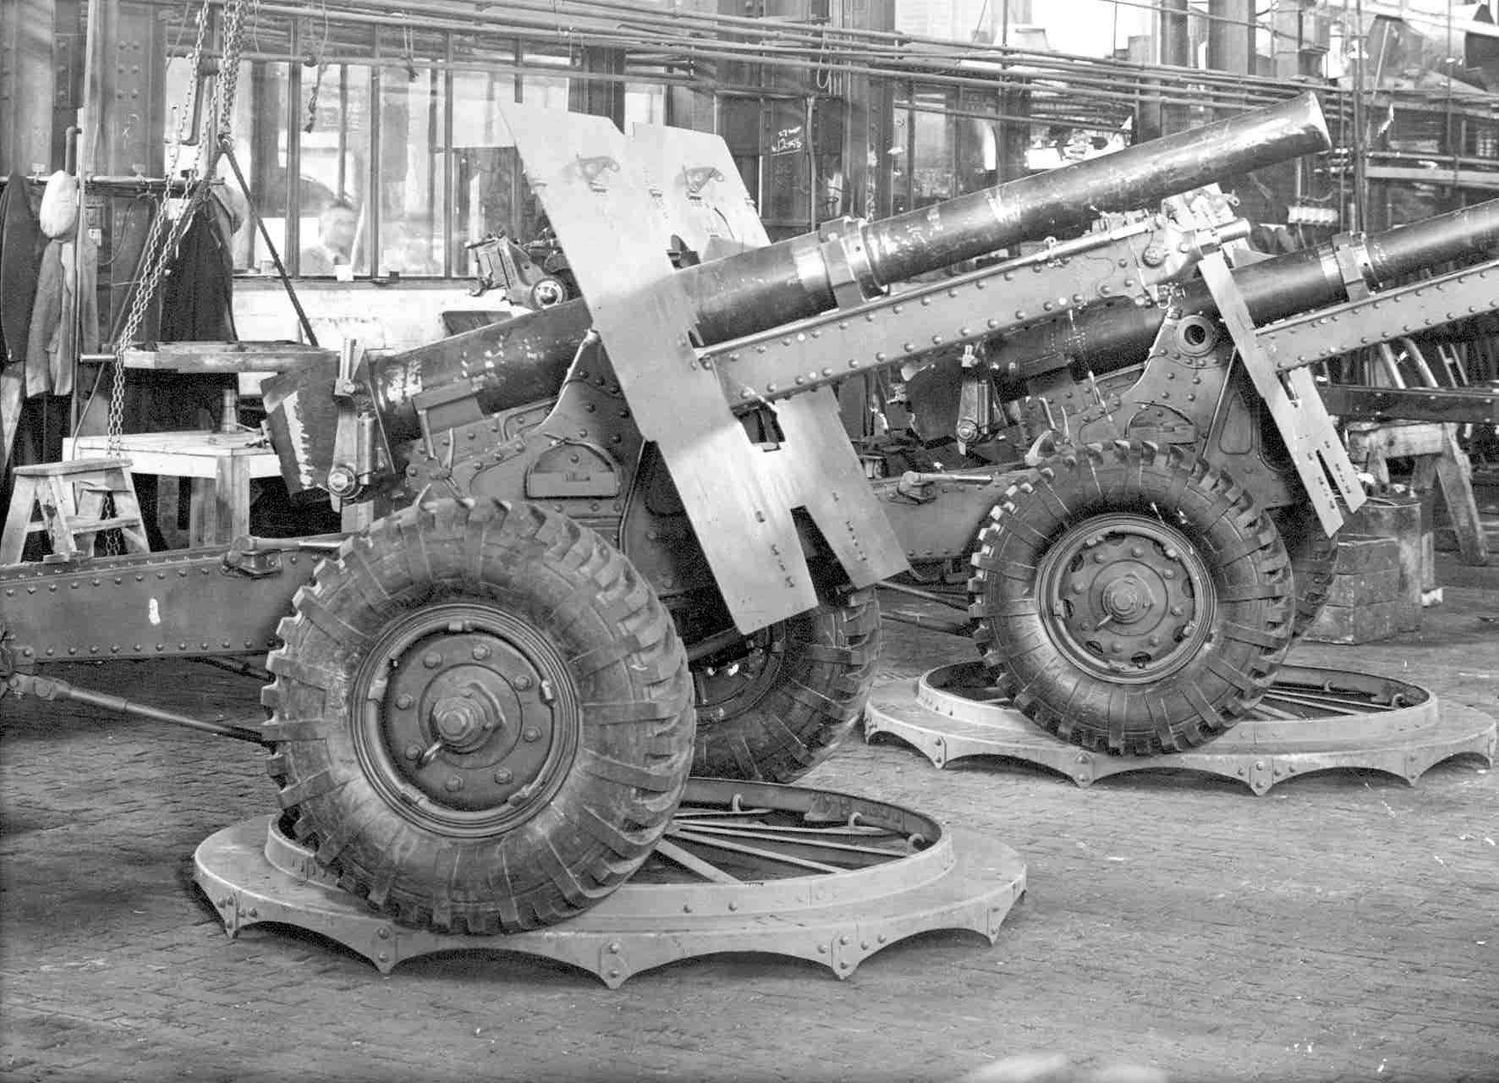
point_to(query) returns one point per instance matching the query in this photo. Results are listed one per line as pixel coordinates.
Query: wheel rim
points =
(1126, 597)
(468, 719)
(732, 681)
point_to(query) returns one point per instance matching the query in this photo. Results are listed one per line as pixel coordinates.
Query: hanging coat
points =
(197, 294)
(52, 349)
(20, 246)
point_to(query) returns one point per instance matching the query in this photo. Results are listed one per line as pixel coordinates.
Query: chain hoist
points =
(158, 250)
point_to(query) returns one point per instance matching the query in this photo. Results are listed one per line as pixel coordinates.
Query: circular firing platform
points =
(1311, 720)
(743, 867)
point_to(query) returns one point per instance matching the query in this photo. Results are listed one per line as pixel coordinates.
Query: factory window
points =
(381, 151)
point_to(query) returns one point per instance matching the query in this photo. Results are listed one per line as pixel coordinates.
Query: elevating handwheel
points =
(1130, 599)
(482, 717)
(774, 704)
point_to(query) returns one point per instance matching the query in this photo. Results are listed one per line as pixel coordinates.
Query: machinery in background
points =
(534, 275)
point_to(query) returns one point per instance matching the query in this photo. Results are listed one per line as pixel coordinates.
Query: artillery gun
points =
(1082, 597)
(626, 538)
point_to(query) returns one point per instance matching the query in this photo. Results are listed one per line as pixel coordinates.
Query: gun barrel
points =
(791, 280)
(762, 289)
(1273, 289)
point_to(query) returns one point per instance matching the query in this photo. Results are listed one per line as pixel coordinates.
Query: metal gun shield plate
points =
(702, 193)
(744, 867)
(597, 194)
(597, 198)
(1310, 720)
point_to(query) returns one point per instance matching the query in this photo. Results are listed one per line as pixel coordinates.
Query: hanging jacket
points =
(20, 247)
(197, 294)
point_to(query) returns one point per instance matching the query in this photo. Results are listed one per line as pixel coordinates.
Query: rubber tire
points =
(1314, 558)
(635, 719)
(826, 665)
(1245, 561)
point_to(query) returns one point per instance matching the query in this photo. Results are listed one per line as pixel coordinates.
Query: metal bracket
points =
(1354, 265)
(698, 177)
(1308, 430)
(594, 168)
(847, 262)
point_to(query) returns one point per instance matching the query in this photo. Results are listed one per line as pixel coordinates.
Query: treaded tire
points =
(806, 689)
(1313, 556)
(1222, 617)
(537, 655)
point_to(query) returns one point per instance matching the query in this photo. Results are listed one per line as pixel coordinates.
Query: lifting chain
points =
(158, 251)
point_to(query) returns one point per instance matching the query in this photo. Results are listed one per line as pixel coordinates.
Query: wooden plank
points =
(1455, 472)
(1468, 405)
(226, 357)
(12, 383)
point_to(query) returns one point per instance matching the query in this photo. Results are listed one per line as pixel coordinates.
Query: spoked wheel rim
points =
(736, 832)
(1126, 597)
(468, 720)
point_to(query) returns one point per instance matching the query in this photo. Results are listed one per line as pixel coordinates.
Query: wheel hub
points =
(729, 683)
(1126, 596)
(470, 718)
(461, 722)
(1127, 599)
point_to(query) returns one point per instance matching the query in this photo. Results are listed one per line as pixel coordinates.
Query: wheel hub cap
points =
(1126, 596)
(470, 717)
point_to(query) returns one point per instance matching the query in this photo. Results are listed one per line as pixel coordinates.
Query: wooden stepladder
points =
(77, 500)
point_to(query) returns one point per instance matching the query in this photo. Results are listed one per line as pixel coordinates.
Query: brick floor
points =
(1342, 927)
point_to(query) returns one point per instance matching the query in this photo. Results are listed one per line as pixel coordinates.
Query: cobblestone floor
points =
(1344, 927)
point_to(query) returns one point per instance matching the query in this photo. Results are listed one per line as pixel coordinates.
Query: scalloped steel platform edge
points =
(940, 715)
(252, 873)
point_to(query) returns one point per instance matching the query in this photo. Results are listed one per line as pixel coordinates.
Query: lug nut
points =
(413, 752)
(431, 659)
(404, 701)
(453, 784)
(503, 775)
(522, 682)
(531, 733)
(480, 653)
